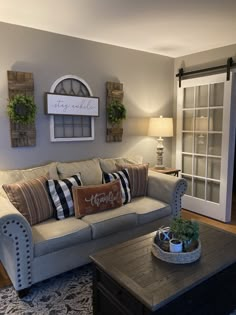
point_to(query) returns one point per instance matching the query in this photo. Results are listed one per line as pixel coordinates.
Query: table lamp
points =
(160, 127)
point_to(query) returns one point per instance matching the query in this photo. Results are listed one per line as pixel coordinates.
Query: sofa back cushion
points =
(96, 198)
(9, 177)
(60, 191)
(31, 199)
(110, 165)
(90, 171)
(49, 170)
(14, 176)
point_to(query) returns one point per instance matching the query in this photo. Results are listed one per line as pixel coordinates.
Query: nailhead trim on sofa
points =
(180, 190)
(22, 248)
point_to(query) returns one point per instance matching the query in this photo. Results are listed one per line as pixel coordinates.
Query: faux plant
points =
(116, 112)
(22, 109)
(185, 230)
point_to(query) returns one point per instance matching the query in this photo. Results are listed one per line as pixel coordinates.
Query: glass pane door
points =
(202, 128)
(202, 138)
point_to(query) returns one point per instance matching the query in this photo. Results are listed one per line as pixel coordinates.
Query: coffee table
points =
(129, 280)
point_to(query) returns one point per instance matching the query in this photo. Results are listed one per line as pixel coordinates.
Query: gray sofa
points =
(33, 253)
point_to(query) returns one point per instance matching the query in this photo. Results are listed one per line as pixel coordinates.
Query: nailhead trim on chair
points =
(180, 190)
(17, 232)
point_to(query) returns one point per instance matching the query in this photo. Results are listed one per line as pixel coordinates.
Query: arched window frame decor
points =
(86, 88)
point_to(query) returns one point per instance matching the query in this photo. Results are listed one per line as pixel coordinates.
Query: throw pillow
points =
(96, 198)
(123, 176)
(138, 174)
(31, 199)
(61, 195)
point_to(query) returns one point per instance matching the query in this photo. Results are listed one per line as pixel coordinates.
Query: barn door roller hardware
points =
(230, 64)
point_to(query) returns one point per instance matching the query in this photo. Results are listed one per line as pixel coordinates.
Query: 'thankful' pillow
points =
(96, 198)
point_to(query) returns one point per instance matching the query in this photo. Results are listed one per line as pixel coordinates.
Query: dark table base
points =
(215, 296)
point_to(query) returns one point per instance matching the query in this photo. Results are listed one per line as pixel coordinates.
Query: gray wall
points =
(148, 89)
(208, 58)
(205, 59)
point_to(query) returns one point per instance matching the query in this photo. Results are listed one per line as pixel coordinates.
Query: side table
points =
(166, 170)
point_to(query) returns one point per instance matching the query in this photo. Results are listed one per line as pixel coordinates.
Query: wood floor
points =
(230, 227)
(4, 280)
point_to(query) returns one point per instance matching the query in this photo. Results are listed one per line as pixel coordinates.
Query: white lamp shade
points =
(160, 127)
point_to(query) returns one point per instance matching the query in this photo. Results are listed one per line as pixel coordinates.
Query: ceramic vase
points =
(176, 246)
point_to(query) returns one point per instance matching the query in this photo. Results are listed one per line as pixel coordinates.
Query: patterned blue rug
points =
(69, 293)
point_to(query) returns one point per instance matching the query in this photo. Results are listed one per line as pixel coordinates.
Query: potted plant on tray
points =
(185, 231)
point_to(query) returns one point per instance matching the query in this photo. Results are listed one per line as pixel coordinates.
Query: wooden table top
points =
(166, 170)
(155, 282)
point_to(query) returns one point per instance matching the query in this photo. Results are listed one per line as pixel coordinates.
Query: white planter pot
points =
(176, 246)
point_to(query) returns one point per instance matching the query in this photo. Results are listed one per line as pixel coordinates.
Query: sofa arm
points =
(16, 245)
(167, 188)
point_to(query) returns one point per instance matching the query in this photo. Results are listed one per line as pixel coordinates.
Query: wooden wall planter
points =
(22, 135)
(114, 92)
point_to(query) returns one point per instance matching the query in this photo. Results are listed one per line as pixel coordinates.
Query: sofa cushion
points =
(49, 170)
(110, 221)
(53, 235)
(138, 175)
(90, 171)
(110, 165)
(9, 177)
(61, 195)
(123, 176)
(31, 199)
(148, 209)
(13, 176)
(96, 198)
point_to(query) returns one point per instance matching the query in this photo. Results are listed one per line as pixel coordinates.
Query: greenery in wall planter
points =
(116, 112)
(22, 109)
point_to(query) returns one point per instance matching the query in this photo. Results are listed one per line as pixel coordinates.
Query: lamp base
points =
(160, 149)
(159, 167)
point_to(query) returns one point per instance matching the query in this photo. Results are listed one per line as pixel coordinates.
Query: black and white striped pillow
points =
(123, 176)
(60, 192)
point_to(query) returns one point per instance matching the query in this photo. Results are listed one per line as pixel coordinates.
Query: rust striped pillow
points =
(31, 199)
(138, 175)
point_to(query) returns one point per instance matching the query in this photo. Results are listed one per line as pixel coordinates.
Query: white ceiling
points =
(168, 27)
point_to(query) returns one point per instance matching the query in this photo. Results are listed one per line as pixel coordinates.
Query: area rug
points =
(71, 293)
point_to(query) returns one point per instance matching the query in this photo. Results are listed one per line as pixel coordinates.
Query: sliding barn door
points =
(205, 144)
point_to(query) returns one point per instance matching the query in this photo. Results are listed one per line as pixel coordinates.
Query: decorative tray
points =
(176, 258)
